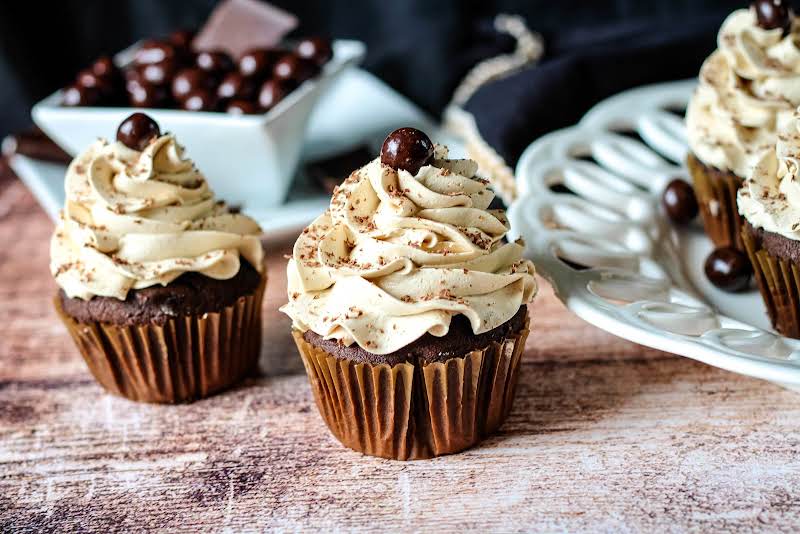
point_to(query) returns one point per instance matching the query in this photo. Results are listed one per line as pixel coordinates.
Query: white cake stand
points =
(589, 196)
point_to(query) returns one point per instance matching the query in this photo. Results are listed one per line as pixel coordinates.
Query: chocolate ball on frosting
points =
(408, 149)
(137, 131)
(680, 202)
(729, 269)
(773, 14)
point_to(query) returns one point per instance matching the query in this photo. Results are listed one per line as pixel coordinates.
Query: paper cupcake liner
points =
(778, 281)
(716, 197)
(411, 412)
(185, 359)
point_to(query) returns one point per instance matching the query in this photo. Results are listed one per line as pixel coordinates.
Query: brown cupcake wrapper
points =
(412, 412)
(716, 196)
(185, 359)
(778, 281)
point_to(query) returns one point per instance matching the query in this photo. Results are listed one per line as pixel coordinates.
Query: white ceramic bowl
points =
(248, 159)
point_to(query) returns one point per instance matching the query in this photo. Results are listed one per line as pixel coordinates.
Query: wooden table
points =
(605, 435)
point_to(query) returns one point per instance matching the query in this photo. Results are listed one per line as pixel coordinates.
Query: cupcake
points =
(769, 201)
(749, 88)
(160, 284)
(409, 307)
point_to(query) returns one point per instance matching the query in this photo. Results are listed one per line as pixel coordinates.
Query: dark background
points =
(421, 47)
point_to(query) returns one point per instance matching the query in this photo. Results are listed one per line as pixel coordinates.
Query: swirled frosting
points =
(770, 198)
(136, 219)
(748, 89)
(398, 255)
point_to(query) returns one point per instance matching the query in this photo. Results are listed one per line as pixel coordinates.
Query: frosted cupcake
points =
(749, 88)
(160, 284)
(408, 307)
(770, 203)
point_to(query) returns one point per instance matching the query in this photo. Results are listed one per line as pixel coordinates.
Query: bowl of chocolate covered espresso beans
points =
(242, 118)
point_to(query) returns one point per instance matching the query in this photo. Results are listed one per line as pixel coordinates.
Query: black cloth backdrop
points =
(423, 48)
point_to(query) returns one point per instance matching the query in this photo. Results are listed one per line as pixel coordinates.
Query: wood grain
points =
(605, 436)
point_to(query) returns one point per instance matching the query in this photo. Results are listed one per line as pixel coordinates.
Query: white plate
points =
(646, 281)
(357, 109)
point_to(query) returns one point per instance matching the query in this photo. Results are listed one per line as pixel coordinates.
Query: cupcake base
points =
(716, 197)
(415, 410)
(776, 267)
(177, 360)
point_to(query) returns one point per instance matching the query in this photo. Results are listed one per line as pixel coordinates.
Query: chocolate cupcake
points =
(160, 284)
(770, 203)
(748, 90)
(408, 307)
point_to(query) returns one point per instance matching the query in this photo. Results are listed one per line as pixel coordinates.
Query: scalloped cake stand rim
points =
(570, 286)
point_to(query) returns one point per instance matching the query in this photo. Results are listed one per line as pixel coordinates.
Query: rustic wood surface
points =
(605, 436)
